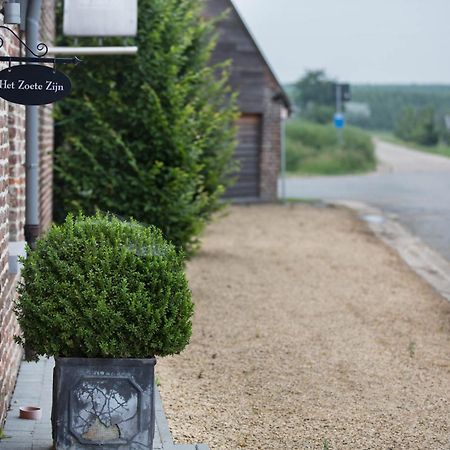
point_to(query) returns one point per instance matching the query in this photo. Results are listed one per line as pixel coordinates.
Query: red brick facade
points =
(16, 182)
(12, 205)
(12, 214)
(270, 161)
(46, 127)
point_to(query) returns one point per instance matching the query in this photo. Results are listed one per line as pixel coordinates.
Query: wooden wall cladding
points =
(248, 155)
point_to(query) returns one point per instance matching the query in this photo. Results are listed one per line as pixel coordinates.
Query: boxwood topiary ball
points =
(99, 287)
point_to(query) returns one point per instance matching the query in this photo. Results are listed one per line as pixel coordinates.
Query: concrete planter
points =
(107, 403)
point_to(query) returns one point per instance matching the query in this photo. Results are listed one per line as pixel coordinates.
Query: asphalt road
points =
(413, 186)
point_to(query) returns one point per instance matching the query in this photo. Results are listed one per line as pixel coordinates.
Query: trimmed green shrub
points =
(99, 287)
(149, 136)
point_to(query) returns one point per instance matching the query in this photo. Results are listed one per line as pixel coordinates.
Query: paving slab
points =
(34, 388)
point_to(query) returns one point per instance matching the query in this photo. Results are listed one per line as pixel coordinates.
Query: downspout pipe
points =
(32, 222)
(283, 156)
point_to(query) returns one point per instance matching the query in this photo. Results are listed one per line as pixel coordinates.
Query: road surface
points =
(413, 186)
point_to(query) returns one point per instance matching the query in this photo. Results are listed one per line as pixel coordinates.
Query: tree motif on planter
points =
(105, 410)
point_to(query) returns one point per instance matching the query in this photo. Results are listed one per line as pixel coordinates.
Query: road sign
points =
(346, 92)
(339, 121)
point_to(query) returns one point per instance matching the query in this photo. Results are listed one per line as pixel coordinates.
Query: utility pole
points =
(284, 116)
(338, 98)
(343, 94)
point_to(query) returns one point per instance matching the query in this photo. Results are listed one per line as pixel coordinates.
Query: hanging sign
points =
(33, 85)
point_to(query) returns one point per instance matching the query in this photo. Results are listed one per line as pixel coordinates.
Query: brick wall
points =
(12, 203)
(46, 127)
(4, 207)
(270, 153)
(16, 200)
(12, 212)
(10, 353)
(270, 161)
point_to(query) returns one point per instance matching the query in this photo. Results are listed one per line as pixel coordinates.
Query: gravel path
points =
(309, 334)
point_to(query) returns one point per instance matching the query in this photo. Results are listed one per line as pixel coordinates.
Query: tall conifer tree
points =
(149, 136)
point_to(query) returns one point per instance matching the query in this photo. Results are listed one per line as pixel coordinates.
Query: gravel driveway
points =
(309, 334)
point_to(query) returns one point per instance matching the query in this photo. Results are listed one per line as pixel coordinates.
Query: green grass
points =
(412, 349)
(313, 149)
(440, 149)
(305, 201)
(3, 435)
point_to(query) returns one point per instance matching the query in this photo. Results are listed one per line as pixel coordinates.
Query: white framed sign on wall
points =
(101, 18)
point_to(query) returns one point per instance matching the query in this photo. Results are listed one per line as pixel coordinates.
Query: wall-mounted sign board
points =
(101, 18)
(33, 85)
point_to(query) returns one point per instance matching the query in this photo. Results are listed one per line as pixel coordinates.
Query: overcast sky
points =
(382, 41)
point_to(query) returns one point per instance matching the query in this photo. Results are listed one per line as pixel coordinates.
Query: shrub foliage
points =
(418, 126)
(314, 95)
(149, 136)
(100, 287)
(315, 149)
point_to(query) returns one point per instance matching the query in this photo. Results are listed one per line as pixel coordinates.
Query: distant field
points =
(440, 149)
(315, 149)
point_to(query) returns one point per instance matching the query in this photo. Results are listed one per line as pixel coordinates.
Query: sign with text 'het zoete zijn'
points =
(33, 85)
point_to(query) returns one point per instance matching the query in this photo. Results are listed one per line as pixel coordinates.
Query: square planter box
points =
(107, 403)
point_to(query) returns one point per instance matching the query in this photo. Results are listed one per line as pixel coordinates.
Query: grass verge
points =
(313, 149)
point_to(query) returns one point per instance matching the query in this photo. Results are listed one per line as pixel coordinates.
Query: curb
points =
(424, 261)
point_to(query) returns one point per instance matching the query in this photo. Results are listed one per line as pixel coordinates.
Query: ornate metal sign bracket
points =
(33, 84)
(38, 57)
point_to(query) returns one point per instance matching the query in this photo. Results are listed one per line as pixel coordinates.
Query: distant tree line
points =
(417, 126)
(314, 97)
(414, 113)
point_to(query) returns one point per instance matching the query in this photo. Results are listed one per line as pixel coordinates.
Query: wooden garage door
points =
(247, 153)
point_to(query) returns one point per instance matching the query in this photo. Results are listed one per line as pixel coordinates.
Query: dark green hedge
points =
(103, 288)
(149, 136)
